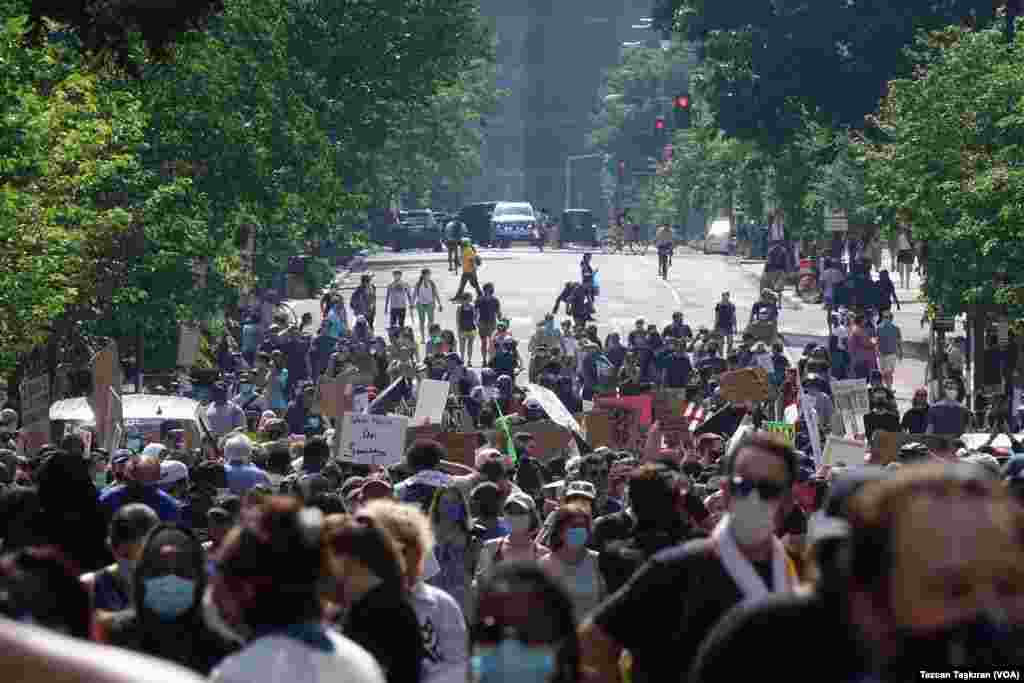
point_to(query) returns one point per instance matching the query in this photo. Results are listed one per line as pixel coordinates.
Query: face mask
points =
(169, 596)
(576, 537)
(518, 523)
(752, 519)
(453, 511)
(979, 643)
(512, 661)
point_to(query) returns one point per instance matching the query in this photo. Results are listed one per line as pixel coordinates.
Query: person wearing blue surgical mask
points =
(456, 549)
(524, 629)
(166, 620)
(571, 560)
(111, 587)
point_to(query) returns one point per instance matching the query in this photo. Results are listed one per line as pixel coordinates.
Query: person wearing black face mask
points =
(915, 420)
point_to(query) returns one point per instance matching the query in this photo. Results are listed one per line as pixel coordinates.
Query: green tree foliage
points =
(952, 167)
(766, 64)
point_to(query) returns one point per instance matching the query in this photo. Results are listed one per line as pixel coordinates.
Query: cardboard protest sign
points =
(551, 438)
(461, 446)
(431, 399)
(850, 398)
(188, 345)
(810, 413)
(553, 406)
(642, 405)
(889, 444)
(598, 426)
(748, 384)
(625, 426)
(106, 376)
(428, 431)
(35, 412)
(668, 404)
(843, 452)
(373, 439)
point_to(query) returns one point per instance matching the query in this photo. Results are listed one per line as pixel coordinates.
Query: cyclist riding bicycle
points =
(665, 242)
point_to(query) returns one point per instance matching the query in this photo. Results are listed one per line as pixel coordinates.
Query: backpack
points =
(505, 359)
(604, 370)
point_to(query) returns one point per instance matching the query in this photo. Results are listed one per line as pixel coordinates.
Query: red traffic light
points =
(659, 123)
(683, 102)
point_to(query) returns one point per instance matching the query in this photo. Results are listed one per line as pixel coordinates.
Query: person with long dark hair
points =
(523, 629)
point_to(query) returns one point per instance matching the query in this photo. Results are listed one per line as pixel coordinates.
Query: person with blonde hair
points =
(363, 585)
(442, 623)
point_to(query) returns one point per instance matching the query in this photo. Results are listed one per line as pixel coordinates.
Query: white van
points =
(719, 237)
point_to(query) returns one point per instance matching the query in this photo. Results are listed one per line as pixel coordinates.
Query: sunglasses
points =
(767, 490)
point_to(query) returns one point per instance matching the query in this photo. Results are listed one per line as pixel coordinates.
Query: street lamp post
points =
(568, 174)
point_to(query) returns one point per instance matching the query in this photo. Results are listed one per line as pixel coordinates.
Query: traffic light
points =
(681, 107)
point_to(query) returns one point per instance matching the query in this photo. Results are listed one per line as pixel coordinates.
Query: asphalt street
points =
(527, 283)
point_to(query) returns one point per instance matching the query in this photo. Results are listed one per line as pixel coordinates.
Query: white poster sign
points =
(850, 397)
(188, 345)
(554, 407)
(373, 439)
(813, 429)
(431, 399)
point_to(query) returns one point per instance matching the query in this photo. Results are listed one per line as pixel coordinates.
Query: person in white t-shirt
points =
(397, 299)
(267, 580)
(426, 298)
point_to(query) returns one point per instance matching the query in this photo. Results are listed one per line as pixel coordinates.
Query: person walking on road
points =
(426, 298)
(890, 347)
(364, 300)
(904, 258)
(453, 233)
(466, 323)
(488, 309)
(470, 263)
(397, 298)
(725, 321)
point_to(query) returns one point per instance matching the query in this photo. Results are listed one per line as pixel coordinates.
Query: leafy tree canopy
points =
(952, 168)
(765, 63)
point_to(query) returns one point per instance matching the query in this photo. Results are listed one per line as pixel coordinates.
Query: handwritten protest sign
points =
(748, 384)
(843, 452)
(810, 413)
(850, 398)
(599, 428)
(642, 405)
(551, 438)
(35, 412)
(461, 446)
(106, 376)
(431, 399)
(373, 439)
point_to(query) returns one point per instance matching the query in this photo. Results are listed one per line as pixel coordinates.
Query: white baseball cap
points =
(238, 447)
(171, 472)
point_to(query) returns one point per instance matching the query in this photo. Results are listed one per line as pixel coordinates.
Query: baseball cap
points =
(237, 448)
(171, 472)
(522, 500)
(581, 489)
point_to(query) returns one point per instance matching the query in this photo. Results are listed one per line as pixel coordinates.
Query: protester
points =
(363, 566)
(268, 579)
(517, 545)
(441, 620)
(457, 549)
(572, 562)
(112, 587)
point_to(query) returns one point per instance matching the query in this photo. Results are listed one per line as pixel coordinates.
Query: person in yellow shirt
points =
(470, 263)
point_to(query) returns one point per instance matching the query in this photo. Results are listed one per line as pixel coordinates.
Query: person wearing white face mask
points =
(520, 513)
(742, 561)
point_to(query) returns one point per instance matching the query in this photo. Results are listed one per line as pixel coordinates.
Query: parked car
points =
(512, 222)
(418, 229)
(579, 227)
(719, 238)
